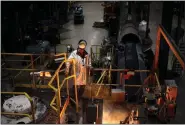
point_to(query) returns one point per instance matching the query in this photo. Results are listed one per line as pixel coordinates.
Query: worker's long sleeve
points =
(72, 56)
(78, 60)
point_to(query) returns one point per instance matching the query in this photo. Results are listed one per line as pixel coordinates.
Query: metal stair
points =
(176, 67)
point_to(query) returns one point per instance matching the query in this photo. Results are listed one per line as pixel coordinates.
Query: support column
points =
(167, 17)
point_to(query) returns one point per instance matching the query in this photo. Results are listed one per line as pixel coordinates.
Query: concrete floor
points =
(93, 11)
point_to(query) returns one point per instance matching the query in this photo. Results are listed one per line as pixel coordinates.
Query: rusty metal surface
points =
(162, 32)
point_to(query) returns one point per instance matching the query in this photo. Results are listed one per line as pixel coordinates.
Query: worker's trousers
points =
(80, 90)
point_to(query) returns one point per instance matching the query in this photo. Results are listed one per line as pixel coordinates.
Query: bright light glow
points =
(113, 112)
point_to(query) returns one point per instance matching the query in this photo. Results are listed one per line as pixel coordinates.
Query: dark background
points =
(18, 17)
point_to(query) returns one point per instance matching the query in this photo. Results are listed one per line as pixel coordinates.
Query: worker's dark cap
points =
(82, 42)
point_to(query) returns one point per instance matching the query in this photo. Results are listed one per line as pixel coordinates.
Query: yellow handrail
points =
(100, 85)
(52, 104)
(157, 80)
(64, 107)
(51, 81)
(28, 66)
(24, 54)
(18, 114)
(69, 77)
(101, 77)
(57, 96)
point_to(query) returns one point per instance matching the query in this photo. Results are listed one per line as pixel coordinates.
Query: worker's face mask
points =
(81, 52)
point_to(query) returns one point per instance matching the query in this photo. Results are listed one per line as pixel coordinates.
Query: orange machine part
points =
(171, 110)
(161, 32)
(160, 102)
(171, 93)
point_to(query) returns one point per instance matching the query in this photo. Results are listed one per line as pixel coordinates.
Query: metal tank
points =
(130, 56)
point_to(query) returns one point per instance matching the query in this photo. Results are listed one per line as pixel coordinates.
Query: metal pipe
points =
(64, 107)
(20, 69)
(109, 79)
(58, 87)
(173, 47)
(52, 87)
(24, 54)
(58, 96)
(18, 60)
(59, 59)
(65, 80)
(156, 58)
(58, 105)
(101, 77)
(100, 84)
(28, 54)
(18, 114)
(57, 90)
(30, 86)
(118, 70)
(26, 67)
(51, 81)
(61, 54)
(67, 87)
(104, 84)
(73, 100)
(52, 102)
(158, 83)
(76, 94)
(18, 93)
(33, 111)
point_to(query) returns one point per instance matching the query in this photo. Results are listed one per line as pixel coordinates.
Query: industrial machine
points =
(121, 86)
(156, 102)
(78, 15)
(136, 79)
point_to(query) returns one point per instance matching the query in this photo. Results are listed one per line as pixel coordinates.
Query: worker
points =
(80, 57)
